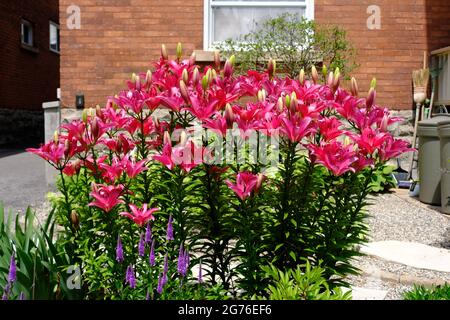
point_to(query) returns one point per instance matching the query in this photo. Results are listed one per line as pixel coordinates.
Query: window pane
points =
(54, 37)
(242, 19)
(27, 33)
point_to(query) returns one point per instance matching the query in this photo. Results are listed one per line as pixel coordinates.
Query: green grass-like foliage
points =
(441, 292)
(302, 283)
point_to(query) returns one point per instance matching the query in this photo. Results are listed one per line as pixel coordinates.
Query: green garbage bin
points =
(430, 159)
(444, 136)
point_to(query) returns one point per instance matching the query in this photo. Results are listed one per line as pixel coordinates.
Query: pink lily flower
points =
(369, 140)
(140, 216)
(329, 128)
(166, 157)
(296, 128)
(246, 183)
(106, 197)
(218, 125)
(334, 156)
(393, 148)
(133, 168)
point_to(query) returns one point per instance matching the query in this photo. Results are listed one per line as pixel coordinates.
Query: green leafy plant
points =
(382, 179)
(440, 292)
(303, 283)
(295, 42)
(38, 257)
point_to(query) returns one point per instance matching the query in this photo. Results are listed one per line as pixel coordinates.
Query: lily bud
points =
(94, 128)
(183, 138)
(195, 76)
(261, 95)
(373, 83)
(287, 101)
(179, 51)
(232, 60)
(213, 74)
(205, 82)
(209, 75)
(301, 76)
(164, 54)
(324, 71)
(354, 87)
(229, 116)
(148, 77)
(337, 78)
(55, 137)
(330, 79)
(84, 115)
(260, 179)
(370, 98)
(314, 75)
(271, 68)
(185, 76)
(280, 105)
(75, 220)
(294, 102)
(217, 59)
(192, 59)
(138, 82)
(166, 138)
(184, 91)
(384, 123)
(66, 148)
(228, 69)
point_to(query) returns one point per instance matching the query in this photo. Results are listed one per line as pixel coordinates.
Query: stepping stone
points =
(412, 254)
(368, 294)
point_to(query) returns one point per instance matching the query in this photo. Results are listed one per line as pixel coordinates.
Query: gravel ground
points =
(396, 216)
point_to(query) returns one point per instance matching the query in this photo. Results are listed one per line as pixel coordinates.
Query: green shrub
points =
(441, 292)
(37, 257)
(281, 38)
(295, 284)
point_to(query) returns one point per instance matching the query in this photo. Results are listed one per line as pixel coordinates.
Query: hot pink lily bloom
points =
(166, 157)
(133, 168)
(51, 152)
(329, 128)
(246, 183)
(296, 128)
(218, 125)
(140, 216)
(369, 140)
(106, 197)
(334, 156)
(393, 148)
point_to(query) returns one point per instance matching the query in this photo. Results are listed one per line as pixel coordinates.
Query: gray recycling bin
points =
(444, 136)
(430, 160)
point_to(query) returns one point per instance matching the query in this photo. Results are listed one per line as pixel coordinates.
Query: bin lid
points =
(444, 129)
(429, 127)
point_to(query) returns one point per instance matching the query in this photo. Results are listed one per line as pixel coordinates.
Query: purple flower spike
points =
(5, 296)
(159, 289)
(183, 261)
(119, 250)
(169, 235)
(147, 296)
(200, 275)
(130, 278)
(151, 259)
(141, 246)
(148, 233)
(12, 276)
(22, 296)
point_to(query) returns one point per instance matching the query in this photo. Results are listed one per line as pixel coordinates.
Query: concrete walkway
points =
(22, 180)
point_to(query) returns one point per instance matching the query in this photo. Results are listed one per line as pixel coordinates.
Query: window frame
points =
(208, 6)
(25, 22)
(51, 23)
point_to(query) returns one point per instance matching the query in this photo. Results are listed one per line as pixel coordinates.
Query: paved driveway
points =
(22, 180)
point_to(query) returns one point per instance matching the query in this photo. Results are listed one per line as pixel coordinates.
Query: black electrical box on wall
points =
(79, 101)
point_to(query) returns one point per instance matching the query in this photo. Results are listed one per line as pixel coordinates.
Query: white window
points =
(54, 37)
(27, 32)
(224, 19)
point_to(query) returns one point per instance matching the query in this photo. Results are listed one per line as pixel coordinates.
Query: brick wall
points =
(118, 37)
(408, 28)
(27, 79)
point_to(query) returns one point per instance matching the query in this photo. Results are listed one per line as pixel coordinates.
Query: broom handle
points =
(416, 123)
